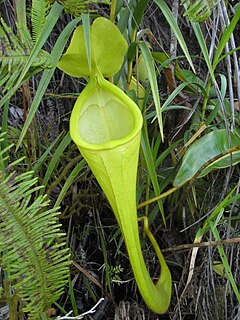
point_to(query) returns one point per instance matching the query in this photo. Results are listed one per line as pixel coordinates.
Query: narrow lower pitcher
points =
(106, 126)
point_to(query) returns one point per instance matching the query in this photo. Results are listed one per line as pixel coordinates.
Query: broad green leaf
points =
(138, 13)
(131, 54)
(207, 154)
(107, 45)
(218, 267)
(191, 77)
(223, 162)
(196, 83)
(161, 57)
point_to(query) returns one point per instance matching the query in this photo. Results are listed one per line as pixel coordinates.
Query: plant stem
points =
(182, 247)
(163, 195)
(113, 10)
(130, 62)
(112, 18)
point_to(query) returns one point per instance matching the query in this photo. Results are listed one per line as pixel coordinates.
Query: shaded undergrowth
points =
(199, 103)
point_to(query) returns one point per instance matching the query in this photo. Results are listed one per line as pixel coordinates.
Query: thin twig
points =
(202, 244)
(88, 275)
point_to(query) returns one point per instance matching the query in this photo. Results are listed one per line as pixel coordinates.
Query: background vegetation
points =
(184, 58)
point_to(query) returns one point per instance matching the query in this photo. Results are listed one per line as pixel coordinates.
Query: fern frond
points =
(14, 52)
(74, 7)
(39, 12)
(31, 243)
(199, 10)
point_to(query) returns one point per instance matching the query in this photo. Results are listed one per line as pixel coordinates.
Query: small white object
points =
(67, 316)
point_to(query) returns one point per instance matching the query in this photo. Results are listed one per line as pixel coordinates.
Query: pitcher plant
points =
(106, 126)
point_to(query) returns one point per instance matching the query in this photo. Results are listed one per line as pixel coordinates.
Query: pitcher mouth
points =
(104, 117)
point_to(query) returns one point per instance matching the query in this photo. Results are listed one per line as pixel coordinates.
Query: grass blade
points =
(152, 77)
(68, 182)
(57, 155)
(46, 77)
(138, 13)
(86, 30)
(200, 38)
(151, 168)
(225, 262)
(226, 36)
(175, 28)
(41, 160)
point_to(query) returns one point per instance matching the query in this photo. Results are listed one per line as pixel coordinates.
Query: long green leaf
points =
(47, 75)
(14, 54)
(138, 13)
(175, 28)
(57, 155)
(227, 201)
(51, 19)
(200, 38)
(125, 16)
(41, 160)
(152, 77)
(174, 94)
(21, 13)
(86, 31)
(225, 37)
(151, 168)
(165, 153)
(225, 262)
(68, 182)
